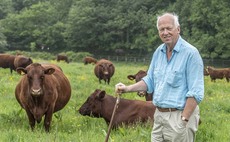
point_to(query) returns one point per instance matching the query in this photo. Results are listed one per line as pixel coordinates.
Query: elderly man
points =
(175, 76)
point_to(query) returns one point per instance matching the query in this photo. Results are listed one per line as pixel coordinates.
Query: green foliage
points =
(100, 27)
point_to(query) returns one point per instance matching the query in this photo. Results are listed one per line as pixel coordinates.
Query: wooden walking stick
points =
(111, 121)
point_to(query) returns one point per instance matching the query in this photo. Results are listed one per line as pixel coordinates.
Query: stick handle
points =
(111, 121)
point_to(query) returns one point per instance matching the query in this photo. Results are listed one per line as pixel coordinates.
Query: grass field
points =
(69, 126)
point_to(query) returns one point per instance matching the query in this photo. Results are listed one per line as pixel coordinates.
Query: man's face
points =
(167, 30)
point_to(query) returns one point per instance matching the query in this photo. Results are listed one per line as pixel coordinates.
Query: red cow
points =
(89, 60)
(99, 104)
(42, 90)
(219, 73)
(7, 61)
(22, 61)
(138, 76)
(62, 58)
(104, 69)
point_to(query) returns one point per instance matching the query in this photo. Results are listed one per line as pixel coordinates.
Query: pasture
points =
(69, 126)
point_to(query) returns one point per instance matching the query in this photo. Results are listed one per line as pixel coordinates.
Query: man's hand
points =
(120, 88)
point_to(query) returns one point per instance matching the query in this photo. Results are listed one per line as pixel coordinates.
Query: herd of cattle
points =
(44, 89)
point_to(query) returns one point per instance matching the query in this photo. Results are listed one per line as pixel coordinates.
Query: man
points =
(175, 76)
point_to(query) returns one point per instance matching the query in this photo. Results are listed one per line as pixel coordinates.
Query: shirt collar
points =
(176, 47)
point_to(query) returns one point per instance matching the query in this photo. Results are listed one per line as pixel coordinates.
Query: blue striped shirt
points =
(174, 80)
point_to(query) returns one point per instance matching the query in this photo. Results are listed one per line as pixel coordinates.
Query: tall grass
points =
(69, 126)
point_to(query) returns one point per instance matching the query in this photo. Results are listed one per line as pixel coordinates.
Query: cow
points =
(104, 69)
(101, 105)
(42, 91)
(219, 73)
(89, 60)
(62, 58)
(137, 77)
(22, 61)
(7, 61)
(119, 52)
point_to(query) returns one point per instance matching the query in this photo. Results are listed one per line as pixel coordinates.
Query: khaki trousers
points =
(168, 126)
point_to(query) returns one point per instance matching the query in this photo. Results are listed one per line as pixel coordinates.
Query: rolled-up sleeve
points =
(195, 78)
(149, 83)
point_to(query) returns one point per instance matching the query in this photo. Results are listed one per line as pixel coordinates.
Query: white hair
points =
(175, 17)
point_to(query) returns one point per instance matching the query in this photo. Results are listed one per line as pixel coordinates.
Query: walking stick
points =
(111, 121)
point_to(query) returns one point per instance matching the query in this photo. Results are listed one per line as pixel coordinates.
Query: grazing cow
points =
(219, 73)
(99, 104)
(22, 61)
(104, 69)
(42, 90)
(138, 76)
(62, 58)
(7, 61)
(89, 60)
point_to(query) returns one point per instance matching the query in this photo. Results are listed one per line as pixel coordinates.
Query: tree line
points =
(102, 26)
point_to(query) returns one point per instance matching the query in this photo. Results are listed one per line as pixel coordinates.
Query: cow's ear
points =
(131, 77)
(21, 70)
(49, 71)
(101, 94)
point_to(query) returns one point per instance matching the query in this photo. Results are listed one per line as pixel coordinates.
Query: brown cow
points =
(7, 61)
(219, 73)
(89, 60)
(138, 76)
(104, 69)
(62, 58)
(42, 90)
(22, 61)
(99, 104)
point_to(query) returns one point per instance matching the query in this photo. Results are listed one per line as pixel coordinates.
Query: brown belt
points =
(166, 109)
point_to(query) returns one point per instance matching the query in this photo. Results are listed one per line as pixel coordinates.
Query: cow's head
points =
(137, 77)
(92, 106)
(35, 74)
(106, 69)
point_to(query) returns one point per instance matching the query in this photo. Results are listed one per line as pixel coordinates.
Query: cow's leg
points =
(31, 118)
(48, 118)
(227, 79)
(108, 80)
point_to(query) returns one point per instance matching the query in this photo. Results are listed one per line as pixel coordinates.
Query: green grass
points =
(69, 126)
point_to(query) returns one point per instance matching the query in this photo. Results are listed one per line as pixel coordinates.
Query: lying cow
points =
(99, 104)
(42, 90)
(137, 77)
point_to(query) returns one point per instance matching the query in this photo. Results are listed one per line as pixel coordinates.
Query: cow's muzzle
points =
(36, 92)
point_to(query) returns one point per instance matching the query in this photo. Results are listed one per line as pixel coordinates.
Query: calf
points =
(104, 69)
(42, 90)
(99, 104)
(138, 76)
